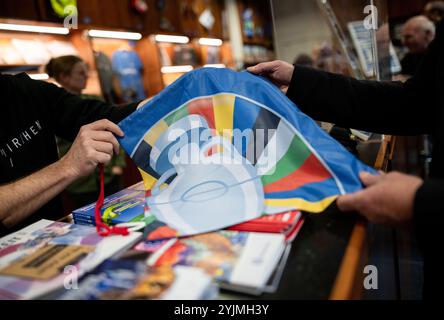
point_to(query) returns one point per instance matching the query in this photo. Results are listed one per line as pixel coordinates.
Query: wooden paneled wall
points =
(182, 16)
(118, 14)
(20, 9)
(405, 8)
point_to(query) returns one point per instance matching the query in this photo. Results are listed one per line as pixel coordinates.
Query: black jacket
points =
(411, 108)
(411, 62)
(31, 114)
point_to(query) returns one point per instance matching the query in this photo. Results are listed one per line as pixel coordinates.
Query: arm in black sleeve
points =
(383, 107)
(429, 211)
(69, 112)
(386, 107)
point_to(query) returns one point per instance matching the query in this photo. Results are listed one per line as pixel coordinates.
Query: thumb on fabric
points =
(369, 179)
(349, 202)
(261, 68)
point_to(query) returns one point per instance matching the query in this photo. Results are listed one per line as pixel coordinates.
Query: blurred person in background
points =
(417, 33)
(304, 60)
(71, 72)
(328, 58)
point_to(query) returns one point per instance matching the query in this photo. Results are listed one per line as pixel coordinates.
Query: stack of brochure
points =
(134, 280)
(125, 206)
(240, 261)
(249, 257)
(47, 255)
(287, 223)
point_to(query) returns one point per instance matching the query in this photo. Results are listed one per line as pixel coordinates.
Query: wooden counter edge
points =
(349, 281)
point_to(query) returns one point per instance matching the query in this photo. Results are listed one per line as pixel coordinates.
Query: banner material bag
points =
(218, 148)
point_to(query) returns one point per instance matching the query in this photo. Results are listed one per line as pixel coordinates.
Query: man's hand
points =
(278, 72)
(94, 144)
(388, 199)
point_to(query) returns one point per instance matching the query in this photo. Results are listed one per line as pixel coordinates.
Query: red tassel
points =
(102, 229)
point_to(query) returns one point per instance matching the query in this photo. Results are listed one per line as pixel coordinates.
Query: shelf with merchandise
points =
(256, 31)
(167, 57)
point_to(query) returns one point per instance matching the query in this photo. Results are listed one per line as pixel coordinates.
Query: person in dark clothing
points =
(410, 63)
(417, 33)
(304, 60)
(72, 73)
(31, 174)
(411, 108)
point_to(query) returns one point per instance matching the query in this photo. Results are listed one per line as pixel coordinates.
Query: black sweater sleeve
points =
(429, 214)
(384, 107)
(68, 112)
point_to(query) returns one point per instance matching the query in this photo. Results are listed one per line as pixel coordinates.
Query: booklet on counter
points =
(125, 206)
(239, 261)
(133, 280)
(33, 260)
(287, 223)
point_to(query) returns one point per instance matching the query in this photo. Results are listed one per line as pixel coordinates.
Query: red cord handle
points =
(102, 229)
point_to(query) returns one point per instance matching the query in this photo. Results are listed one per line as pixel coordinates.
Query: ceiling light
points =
(30, 28)
(176, 69)
(114, 34)
(171, 39)
(210, 42)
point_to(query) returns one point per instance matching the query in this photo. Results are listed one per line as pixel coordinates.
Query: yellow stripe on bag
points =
(302, 204)
(148, 180)
(223, 105)
(155, 132)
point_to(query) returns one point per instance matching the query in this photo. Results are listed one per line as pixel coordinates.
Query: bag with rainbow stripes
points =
(218, 148)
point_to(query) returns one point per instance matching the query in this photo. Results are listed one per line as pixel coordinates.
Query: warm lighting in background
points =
(219, 66)
(210, 42)
(177, 69)
(171, 39)
(114, 34)
(39, 76)
(29, 28)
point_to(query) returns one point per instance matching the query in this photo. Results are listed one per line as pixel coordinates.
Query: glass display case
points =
(358, 36)
(357, 33)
